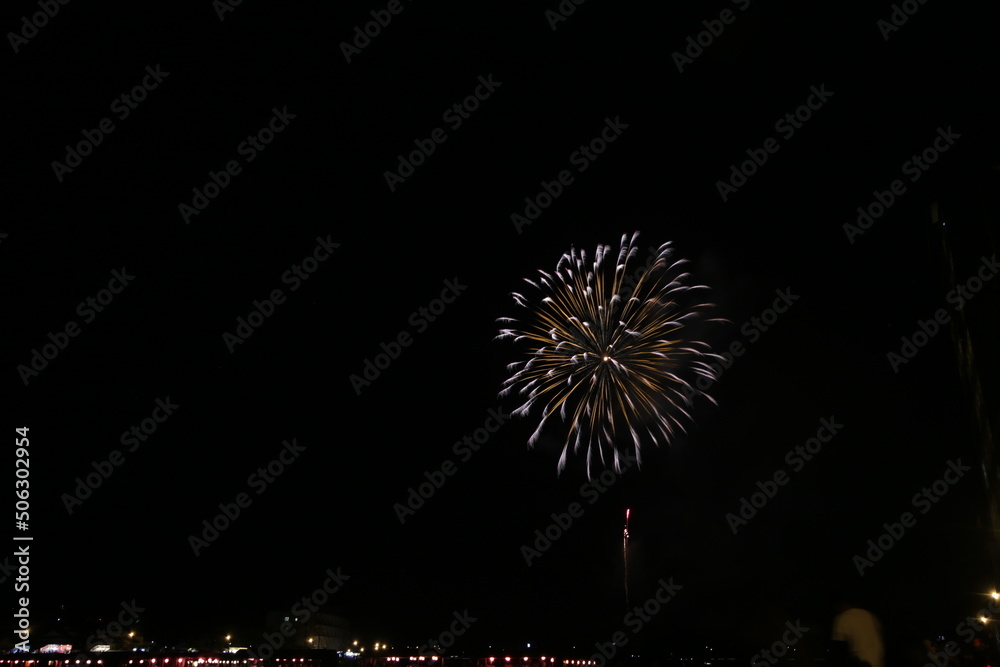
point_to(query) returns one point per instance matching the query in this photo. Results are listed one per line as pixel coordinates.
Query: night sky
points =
(389, 249)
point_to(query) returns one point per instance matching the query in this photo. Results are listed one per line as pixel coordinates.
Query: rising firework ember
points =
(615, 360)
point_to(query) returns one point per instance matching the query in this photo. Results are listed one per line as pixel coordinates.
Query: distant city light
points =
(56, 648)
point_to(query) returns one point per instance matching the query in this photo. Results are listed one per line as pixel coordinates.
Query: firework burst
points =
(616, 360)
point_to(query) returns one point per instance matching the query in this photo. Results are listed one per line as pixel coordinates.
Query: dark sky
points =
(322, 176)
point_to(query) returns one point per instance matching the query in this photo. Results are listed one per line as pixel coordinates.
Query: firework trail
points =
(614, 362)
(625, 556)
